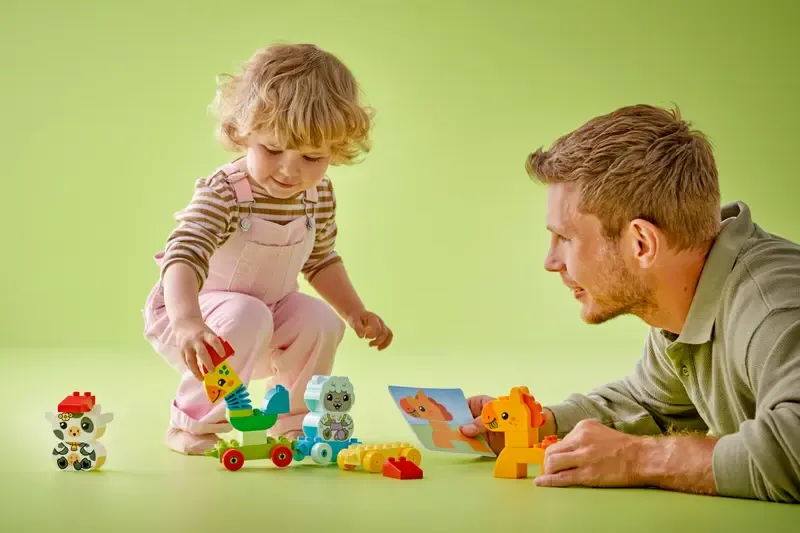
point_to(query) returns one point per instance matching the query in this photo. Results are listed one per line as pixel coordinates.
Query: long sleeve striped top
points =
(212, 217)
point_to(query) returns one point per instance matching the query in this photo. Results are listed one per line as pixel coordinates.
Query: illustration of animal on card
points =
(435, 416)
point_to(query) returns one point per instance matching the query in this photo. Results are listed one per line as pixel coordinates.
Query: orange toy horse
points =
(422, 406)
(519, 416)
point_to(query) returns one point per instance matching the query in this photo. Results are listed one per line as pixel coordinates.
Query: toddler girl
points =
(230, 268)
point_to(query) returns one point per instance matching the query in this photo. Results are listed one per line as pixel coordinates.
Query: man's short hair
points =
(639, 162)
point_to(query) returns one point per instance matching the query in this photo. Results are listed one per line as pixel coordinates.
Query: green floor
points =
(146, 488)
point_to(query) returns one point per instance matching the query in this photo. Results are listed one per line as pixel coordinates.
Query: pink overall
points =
(251, 299)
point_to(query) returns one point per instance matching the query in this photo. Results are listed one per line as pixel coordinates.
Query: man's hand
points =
(473, 429)
(497, 439)
(593, 455)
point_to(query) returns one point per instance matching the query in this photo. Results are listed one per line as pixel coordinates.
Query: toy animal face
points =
(339, 396)
(80, 427)
(338, 401)
(500, 415)
(422, 406)
(220, 382)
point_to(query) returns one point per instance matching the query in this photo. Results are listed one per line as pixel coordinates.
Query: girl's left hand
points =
(369, 325)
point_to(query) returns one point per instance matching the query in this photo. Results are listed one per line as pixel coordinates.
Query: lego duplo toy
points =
(78, 425)
(222, 383)
(371, 457)
(401, 468)
(328, 427)
(519, 416)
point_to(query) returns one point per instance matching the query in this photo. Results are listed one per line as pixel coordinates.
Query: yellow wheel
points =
(413, 455)
(373, 462)
(340, 461)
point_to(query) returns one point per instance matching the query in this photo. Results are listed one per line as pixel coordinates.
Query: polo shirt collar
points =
(737, 228)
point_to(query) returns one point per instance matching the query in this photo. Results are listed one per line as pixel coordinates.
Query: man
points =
(713, 405)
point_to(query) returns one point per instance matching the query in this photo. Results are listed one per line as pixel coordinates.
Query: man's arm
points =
(681, 463)
(649, 401)
(595, 455)
(762, 460)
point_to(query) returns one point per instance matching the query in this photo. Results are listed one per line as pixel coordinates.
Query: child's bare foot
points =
(189, 444)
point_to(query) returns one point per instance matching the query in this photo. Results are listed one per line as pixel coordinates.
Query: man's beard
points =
(623, 293)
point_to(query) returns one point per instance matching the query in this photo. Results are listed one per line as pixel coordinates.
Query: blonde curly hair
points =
(303, 95)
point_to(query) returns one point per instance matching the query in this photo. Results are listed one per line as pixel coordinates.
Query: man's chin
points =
(593, 319)
(593, 314)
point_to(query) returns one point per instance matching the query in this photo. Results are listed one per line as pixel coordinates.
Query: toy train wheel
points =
(413, 455)
(321, 453)
(281, 456)
(373, 462)
(232, 459)
(340, 461)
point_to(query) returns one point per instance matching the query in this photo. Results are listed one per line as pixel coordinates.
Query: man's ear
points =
(645, 240)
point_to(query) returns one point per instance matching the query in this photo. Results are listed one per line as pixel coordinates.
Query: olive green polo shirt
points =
(733, 371)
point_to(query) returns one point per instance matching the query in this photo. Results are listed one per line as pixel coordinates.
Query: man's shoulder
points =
(764, 279)
(761, 300)
(767, 272)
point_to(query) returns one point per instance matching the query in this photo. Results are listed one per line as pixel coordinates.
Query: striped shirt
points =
(212, 217)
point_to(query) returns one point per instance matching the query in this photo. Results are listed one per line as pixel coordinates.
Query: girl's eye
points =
(277, 152)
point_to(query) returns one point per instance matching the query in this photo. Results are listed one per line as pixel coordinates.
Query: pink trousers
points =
(287, 343)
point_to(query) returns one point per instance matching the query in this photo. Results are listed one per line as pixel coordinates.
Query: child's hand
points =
(369, 325)
(190, 335)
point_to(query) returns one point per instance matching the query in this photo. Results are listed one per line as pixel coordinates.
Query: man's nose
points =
(552, 263)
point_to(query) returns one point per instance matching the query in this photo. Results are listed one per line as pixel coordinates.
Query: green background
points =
(105, 129)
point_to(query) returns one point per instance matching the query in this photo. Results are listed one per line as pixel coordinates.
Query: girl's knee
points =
(242, 320)
(323, 324)
(328, 323)
(316, 317)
